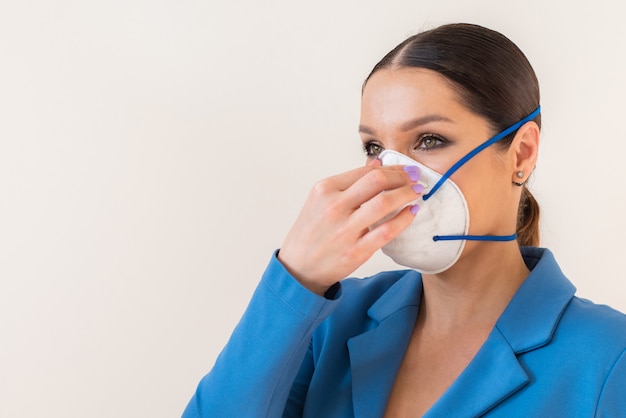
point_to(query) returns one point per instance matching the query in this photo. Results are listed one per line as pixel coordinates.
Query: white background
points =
(153, 154)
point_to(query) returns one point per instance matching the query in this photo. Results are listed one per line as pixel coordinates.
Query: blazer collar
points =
(406, 292)
(531, 317)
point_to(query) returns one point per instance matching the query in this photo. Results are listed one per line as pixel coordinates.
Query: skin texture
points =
(418, 112)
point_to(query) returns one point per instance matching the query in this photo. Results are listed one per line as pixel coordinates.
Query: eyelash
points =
(370, 153)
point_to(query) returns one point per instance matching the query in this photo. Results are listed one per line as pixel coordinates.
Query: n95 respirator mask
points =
(444, 213)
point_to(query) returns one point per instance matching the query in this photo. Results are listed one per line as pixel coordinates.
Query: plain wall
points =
(153, 154)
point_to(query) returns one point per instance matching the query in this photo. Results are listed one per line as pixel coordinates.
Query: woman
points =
(483, 323)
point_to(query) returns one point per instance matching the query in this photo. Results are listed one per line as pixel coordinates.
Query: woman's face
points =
(417, 112)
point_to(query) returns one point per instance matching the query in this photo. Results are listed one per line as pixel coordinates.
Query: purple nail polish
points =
(418, 188)
(413, 172)
(414, 209)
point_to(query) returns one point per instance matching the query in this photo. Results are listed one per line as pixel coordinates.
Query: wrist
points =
(311, 285)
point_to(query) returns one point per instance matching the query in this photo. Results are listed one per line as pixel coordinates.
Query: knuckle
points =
(382, 202)
(385, 232)
(322, 187)
(378, 179)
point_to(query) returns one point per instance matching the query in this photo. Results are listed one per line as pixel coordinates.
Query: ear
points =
(523, 151)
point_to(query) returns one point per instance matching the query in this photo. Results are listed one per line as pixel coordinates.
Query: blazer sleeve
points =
(300, 387)
(612, 402)
(254, 373)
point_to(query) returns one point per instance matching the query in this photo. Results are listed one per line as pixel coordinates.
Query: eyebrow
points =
(414, 123)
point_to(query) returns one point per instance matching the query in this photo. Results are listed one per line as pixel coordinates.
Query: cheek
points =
(437, 163)
(485, 188)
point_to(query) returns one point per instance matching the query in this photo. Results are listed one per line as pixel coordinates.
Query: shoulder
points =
(546, 308)
(593, 338)
(552, 293)
(600, 323)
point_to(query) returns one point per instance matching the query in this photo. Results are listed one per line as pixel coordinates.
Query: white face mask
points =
(435, 239)
(444, 213)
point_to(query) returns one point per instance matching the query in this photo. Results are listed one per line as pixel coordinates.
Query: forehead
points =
(395, 95)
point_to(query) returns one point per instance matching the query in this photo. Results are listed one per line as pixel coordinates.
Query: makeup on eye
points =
(423, 143)
(430, 141)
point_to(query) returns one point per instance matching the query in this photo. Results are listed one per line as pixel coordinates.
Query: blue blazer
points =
(296, 354)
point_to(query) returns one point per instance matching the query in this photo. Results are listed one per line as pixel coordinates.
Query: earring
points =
(519, 174)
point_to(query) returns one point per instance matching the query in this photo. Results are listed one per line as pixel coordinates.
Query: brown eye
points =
(372, 149)
(430, 141)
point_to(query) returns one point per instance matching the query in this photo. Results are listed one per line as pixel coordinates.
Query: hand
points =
(332, 236)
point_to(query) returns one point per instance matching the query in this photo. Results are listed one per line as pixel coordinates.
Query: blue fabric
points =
(296, 354)
(500, 238)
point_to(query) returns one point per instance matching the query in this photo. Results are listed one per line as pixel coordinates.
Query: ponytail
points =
(528, 220)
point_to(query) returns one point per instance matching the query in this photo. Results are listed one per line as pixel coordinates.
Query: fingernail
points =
(414, 209)
(418, 188)
(413, 172)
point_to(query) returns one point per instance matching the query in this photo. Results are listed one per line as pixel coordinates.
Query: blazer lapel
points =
(375, 355)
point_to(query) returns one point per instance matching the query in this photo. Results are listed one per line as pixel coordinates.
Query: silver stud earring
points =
(520, 175)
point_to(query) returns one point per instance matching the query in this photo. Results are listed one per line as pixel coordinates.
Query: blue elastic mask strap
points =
(475, 237)
(465, 159)
(478, 149)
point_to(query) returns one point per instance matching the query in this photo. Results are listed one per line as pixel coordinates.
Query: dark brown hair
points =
(493, 78)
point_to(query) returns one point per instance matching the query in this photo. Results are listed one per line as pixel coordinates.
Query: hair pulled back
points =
(493, 79)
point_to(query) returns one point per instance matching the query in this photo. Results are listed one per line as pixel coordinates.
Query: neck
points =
(476, 290)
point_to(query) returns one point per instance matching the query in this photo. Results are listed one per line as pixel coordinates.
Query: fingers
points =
(382, 234)
(377, 181)
(343, 181)
(385, 204)
(378, 193)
